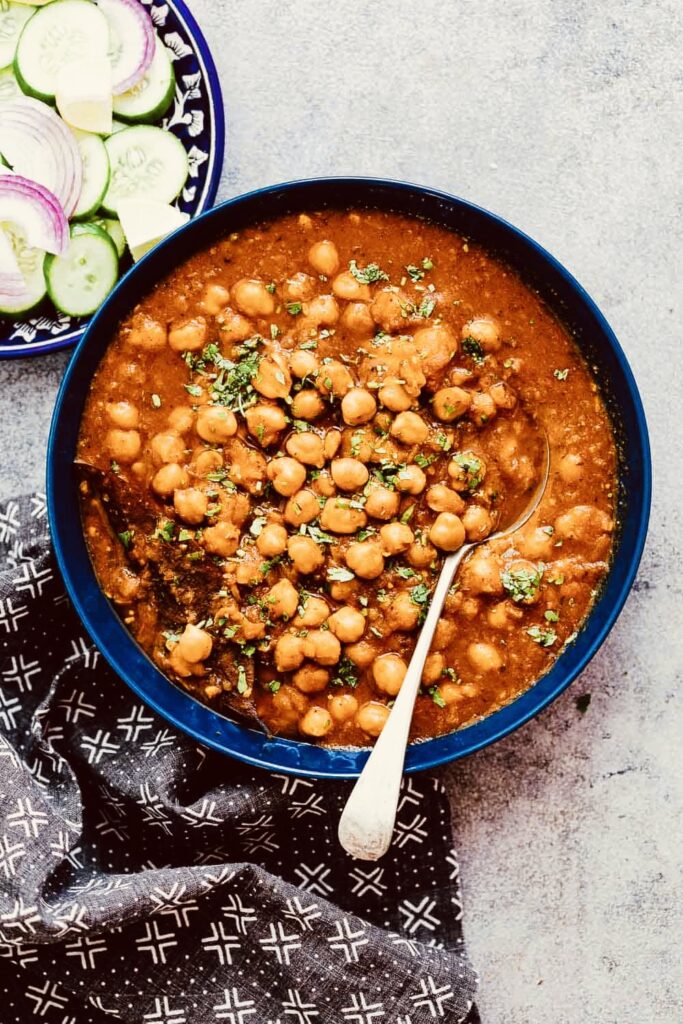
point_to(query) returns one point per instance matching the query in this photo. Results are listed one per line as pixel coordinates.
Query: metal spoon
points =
(367, 822)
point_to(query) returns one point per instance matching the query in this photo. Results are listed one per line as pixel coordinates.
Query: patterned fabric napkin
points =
(146, 879)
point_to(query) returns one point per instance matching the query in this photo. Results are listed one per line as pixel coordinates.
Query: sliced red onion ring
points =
(133, 41)
(13, 290)
(39, 146)
(36, 210)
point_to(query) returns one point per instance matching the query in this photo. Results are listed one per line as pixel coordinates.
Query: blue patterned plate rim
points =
(211, 174)
(293, 757)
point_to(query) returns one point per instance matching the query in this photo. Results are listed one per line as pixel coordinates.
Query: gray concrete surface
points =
(566, 117)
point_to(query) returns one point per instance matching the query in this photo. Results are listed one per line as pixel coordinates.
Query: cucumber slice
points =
(115, 232)
(13, 17)
(9, 87)
(31, 263)
(95, 175)
(146, 163)
(80, 280)
(56, 35)
(149, 100)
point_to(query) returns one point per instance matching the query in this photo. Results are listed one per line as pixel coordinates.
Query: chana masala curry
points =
(285, 437)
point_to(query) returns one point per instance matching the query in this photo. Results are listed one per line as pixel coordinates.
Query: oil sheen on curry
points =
(286, 436)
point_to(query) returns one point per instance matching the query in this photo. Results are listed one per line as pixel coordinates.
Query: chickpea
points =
(180, 419)
(123, 415)
(365, 559)
(317, 722)
(323, 485)
(287, 475)
(433, 668)
(207, 461)
(443, 499)
(307, 448)
(303, 363)
(222, 539)
(536, 544)
(343, 590)
(409, 428)
(234, 327)
(215, 423)
(307, 405)
(253, 298)
(302, 507)
(289, 652)
(451, 692)
(484, 657)
(168, 479)
(357, 319)
(324, 258)
(501, 614)
(388, 673)
(345, 286)
(266, 423)
(381, 503)
(299, 287)
(467, 470)
(411, 480)
(421, 555)
(311, 679)
(235, 507)
(349, 474)
(358, 406)
(485, 330)
(314, 612)
(570, 468)
(215, 299)
(188, 335)
(389, 309)
(445, 633)
(394, 397)
(436, 347)
(343, 706)
(282, 600)
(477, 522)
(322, 311)
(191, 504)
(124, 445)
(447, 532)
(361, 654)
(451, 403)
(247, 468)
(305, 554)
(334, 379)
(503, 396)
(147, 334)
(583, 523)
(482, 408)
(322, 646)
(402, 614)
(395, 538)
(273, 379)
(481, 574)
(347, 624)
(194, 644)
(288, 704)
(338, 517)
(331, 444)
(371, 717)
(272, 540)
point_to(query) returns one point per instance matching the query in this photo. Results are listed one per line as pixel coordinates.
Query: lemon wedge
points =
(145, 222)
(83, 92)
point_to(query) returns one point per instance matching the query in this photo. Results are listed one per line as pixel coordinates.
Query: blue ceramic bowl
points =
(570, 303)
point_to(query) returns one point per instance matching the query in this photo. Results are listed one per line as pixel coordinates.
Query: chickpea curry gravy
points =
(285, 437)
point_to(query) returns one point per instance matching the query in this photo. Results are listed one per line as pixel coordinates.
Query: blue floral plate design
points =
(196, 117)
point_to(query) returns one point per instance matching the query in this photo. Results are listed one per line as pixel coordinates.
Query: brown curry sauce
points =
(174, 532)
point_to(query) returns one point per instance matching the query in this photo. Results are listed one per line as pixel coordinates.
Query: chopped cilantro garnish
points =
(193, 389)
(294, 308)
(544, 637)
(369, 274)
(405, 572)
(407, 515)
(165, 531)
(414, 273)
(125, 538)
(274, 685)
(232, 385)
(560, 374)
(242, 684)
(319, 535)
(185, 535)
(423, 461)
(426, 307)
(257, 525)
(114, 466)
(339, 575)
(305, 345)
(444, 442)
(436, 697)
(472, 467)
(346, 674)
(471, 347)
(156, 401)
(521, 584)
(551, 616)
(271, 287)
(420, 594)
(427, 263)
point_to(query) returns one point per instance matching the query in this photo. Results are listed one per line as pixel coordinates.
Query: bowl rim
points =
(215, 96)
(294, 757)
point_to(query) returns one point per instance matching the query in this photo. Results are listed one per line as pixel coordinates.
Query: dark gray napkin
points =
(148, 880)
